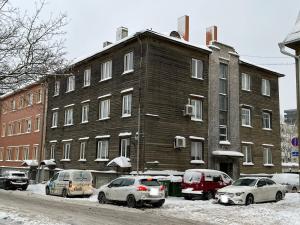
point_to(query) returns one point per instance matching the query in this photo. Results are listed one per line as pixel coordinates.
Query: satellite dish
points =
(175, 34)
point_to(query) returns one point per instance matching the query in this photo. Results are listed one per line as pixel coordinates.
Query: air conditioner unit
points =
(179, 142)
(188, 110)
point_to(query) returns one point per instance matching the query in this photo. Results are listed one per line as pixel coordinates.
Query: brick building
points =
(21, 119)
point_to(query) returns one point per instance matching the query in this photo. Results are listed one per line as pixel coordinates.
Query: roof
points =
(294, 35)
(227, 153)
(48, 162)
(30, 163)
(135, 35)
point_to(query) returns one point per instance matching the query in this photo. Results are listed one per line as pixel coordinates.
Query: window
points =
(68, 116)
(246, 117)
(21, 102)
(197, 150)
(128, 62)
(106, 70)
(28, 126)
(56, 88)
(266, 118)
(52, 151)
(82, 150)
(3, 130)
(17, 153)
(197, 68)
(223, 133)
(39, 96)
(85, 113)
(13, 104)
(125, 147)
(35, 152)
(54, 119)
(9, 154)
(30, 99)
(26, 152)
(223, 102)
(1, 154)
(87, 77)
(67, 149)
(197, 109)
(10, 129)
(267, 155)
(70, 83)
(126, 106)
(246, 82)
(265, 87)
(37, 123)
(102, 150)
(104, 109)
(247, 153)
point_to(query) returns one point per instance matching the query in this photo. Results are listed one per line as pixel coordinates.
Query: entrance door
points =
(227, 168)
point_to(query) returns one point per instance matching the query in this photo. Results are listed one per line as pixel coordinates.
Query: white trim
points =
(66, 106)
(194, 119)
(233, 53)
(267, 110)
(248, 164)
(126, 90)
(268, 145)
(53, 141)
(65, 160)
(104, 96)
(269, 164)
(197, 138)
(83, 138)
(127, 71)
(55, 109)
(248, 142)
(125, 134)
(102, 136)
(101, 160)
(248, 126)
(268, 129)
(196, 96)
(106, 118)
(245, 105)
(224, 59)
(85, 101)
(81, 160)
(197, 162)
(67, 140)
(224, 143)
(153, 115)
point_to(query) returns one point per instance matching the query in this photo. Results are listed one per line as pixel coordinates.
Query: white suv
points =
(134, 190)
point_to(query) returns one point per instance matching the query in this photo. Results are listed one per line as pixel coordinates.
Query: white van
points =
(70, 183)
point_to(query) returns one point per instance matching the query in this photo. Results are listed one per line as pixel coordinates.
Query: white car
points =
(251, 190)
(134, 190)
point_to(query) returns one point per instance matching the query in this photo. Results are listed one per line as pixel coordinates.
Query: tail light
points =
(162, 188)
(142, 188)
(70, 183)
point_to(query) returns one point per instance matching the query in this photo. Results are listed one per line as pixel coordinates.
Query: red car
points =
(203, 183)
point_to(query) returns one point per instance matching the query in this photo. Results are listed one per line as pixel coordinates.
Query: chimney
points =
(211, 34)
(122, 32)
(183, 27)
(106, 43)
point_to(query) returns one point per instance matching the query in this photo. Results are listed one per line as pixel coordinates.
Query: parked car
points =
(70, 183)
(203, 183)
(291, 180)
(251, 190)
(14, 180)
(133, 190)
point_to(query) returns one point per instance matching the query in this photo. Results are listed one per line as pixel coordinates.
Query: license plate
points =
(154, 192)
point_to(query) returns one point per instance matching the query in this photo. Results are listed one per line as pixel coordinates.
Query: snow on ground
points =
(274, 213)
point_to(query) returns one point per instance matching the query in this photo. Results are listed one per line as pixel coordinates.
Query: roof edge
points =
(242, 61)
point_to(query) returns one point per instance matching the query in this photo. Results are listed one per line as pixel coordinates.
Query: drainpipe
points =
(297, 59)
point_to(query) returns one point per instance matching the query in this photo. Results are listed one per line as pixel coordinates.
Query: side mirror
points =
(260, 185)
(109, 186)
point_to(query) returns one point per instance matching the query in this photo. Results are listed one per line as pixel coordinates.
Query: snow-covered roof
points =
(228, 153)
(49, 162)
(121, 161)
(294, 35)
(20, 88)
(290, 164)
(30, 163)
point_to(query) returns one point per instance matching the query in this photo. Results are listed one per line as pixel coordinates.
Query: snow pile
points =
(37, 188)
(120, 161)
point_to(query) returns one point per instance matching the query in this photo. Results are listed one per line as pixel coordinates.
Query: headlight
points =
(239, 193)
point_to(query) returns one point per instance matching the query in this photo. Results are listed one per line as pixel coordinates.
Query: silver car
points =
(134, 190)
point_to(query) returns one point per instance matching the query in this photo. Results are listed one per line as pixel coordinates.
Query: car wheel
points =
(187, 197)
(131, 202)
(101, 198)
(64, 193)
(278, 196)
(158, 204)
(47, 191)
(24, 188)
(209, 195)
(294, 189)
(249, 199)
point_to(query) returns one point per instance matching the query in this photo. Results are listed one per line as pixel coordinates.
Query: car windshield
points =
(149, 182)
(245, 182)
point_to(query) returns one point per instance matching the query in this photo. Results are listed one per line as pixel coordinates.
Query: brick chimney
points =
(211, 34)
(183, 27)
(122, 32)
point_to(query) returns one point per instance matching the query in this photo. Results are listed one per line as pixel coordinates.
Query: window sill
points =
(197, 78)
(197, 162)
(127, 72)
(105, 79)
(269, 165)
(101, 160)
(247, 126)
(65, 160)
(125, 116)
(224, 143)
(84, 122)
(197, 120)
(107, 118)
(248, 164)
(55, 95)
(37, 131)
(267, 129)
(266, 95)
(54, 127)
(68, 125)
(69, 91)
(246, 90)
(82, 160)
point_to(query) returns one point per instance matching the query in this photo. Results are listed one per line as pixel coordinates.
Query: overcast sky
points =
(252, 27)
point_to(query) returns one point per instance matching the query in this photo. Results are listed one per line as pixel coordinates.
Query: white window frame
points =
(267, 153)
(83, 145)
(125, 147)
(197, 109)
(85, 113)
(56, 88)
(246, 82)
(28, 126)
(197, 150)
(26, 152)
(223, 135)
(247, 151)
(265, 87)
(66, 151)
(70, 83)
(102, 149)
(3, 130)
(266, 118)
(127, 105)
(104, 109)
(106, 70)
(9, 154)
(52, 151)
(1, 154)
(128, 62)
(30, 99)
(39, 96)
(69, 116)
(37, 123)
(13, 105)
(54, 119)
(246, 117)
(17, 153)
(197, 68)
(87, 77)
(35, 152)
